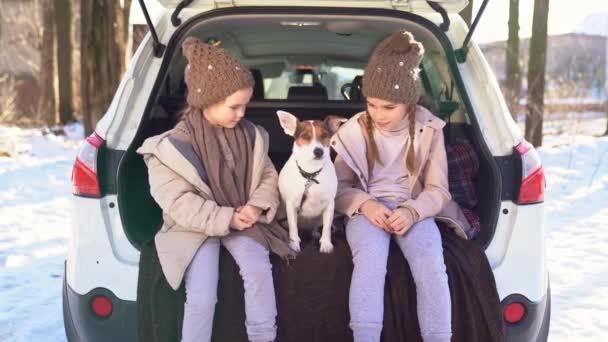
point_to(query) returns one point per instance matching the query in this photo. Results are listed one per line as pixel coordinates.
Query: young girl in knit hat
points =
(392, 183)
(216, 185)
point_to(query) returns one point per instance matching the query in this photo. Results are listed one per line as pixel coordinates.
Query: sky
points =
(564, 17)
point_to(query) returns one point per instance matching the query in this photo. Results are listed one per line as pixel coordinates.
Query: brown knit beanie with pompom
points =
(392, 72)
(212, 74)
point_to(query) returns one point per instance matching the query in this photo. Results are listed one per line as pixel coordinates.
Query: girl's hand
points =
(377, 214)
(240, 221)
(251, 212)
(401, 220)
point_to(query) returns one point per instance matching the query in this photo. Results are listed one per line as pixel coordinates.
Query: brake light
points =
(84, 173)
(101, 306)
(514, 312)
(533, 182)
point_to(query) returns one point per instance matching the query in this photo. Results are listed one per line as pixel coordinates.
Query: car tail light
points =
(84, 174)
(533, 183)
(514, 312)
(101, 306)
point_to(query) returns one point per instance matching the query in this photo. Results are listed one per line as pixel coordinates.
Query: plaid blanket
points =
(463, 166)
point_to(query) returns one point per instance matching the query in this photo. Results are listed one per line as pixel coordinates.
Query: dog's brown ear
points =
(333, 123)
(288, 121)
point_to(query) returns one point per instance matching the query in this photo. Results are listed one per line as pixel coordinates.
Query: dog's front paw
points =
(326, 246)
(294, 244)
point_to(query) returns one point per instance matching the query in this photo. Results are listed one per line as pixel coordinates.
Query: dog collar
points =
(309, 176)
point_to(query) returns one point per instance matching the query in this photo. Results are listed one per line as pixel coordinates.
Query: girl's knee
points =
(244, 248)
(362, 234)
(429, 221)
(359, 224)
(256, 269)
(371, 261)
(428, 267)
(254, 262)
(421, 241)
(427, 227)
(201, 300)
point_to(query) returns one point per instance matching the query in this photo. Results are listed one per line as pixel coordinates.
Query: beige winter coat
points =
(430, 195)
(190, 213)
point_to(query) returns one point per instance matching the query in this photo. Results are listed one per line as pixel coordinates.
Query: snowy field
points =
(35, 192)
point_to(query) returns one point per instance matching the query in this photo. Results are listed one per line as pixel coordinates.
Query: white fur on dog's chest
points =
(317, 199)
(292, 186)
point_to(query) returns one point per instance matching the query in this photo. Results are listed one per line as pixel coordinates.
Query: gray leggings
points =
(421, 246)
(201, 289)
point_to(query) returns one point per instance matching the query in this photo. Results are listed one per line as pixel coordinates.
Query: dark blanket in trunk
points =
(312, 296)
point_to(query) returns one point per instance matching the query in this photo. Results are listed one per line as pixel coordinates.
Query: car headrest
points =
(354, 93)
(258, 88)
(316, 92)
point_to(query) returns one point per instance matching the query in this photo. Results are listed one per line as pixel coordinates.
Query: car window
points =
(331, 77)
(334, 77)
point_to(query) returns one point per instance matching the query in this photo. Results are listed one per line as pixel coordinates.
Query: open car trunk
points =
(312, 292)
(337, 40)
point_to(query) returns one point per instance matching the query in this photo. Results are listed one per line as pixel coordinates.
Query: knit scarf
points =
(227, 157)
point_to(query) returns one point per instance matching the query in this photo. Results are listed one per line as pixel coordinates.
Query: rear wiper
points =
(461, 54)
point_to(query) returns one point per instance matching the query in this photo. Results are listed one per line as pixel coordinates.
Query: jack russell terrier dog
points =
(308, 181)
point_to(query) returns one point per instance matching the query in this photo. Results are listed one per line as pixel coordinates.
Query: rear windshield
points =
(332, 78)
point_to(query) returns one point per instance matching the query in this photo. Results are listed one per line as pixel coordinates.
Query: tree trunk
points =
(536, 73)
(46, 106)
(139, 32)
(85, 41)
(605, 106)
(605, 109)
(63, 17)
(99, 59)
(122, 15)
(467, 13)
(605, 74)
(513, 68)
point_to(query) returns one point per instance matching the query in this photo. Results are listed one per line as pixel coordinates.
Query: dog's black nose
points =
(318, 152)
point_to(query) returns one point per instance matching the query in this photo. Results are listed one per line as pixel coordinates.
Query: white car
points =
(308, 55)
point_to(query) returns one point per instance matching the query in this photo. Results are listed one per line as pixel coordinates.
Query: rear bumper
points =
(81, 325)
(534, 327)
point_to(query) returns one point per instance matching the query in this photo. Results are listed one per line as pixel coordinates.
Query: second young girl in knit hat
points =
(213, 180)
(392, 183)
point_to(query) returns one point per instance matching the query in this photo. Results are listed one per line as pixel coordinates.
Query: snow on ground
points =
(577, 223)
(35, 195)
(35, 192)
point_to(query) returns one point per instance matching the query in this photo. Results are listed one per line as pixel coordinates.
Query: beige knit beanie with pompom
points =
(212, 73)
(392, 72)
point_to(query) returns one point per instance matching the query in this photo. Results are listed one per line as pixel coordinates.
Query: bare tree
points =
(8, 99)
(605, 104)
(139, 32)
(27, 17)
(122, 38)
(467, 13)
(102, 52)
(63, 18)
(46, 106)
(536, 73)
(606, 110)
(22, 49)
(513, 68)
